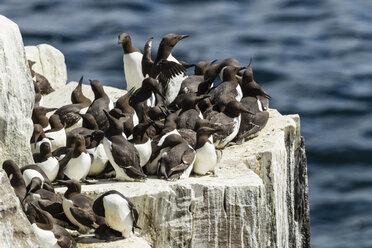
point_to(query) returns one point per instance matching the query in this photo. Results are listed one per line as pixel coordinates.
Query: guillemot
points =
(119, 212)
(251, 88)
(39, 116)
(178, 161)
(206, 157)
(46, 161)
(141, 140)
(78, 208)
(132, 62)
(167, 69)
(15, 177)
(144, 97)
(101, 102)
(229, 122)
(76, 163)
(49, 234)
(56, 133)
(38, 137)
(121, 153)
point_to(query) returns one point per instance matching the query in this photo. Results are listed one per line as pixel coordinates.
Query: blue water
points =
(314, 57)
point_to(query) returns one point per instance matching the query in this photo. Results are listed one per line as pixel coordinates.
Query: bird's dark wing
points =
(64, 238)
(165, 70)
(84, 216)
(128, 159)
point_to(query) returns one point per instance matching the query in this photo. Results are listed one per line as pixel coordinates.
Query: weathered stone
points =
(277, 156)
(16, 96)
(251, 200)
(50, 63)
(15, 229)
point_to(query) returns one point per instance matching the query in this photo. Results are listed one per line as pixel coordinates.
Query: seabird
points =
(76, 164)
(144, 97)
(167, 69)
(41, 81)
(49, 234)
(46, 200)
(132, 62)
(229, 87)
(206, 157)
(178, 161)
(121, 153)
(123, 104)
(141, 141)
(251, 124)
(15, 178)
(39, 116)
(119, 212)
(228, 121)
(32, 170)
(46, 161)
(56, 133)
(97, 150)
(78, 207)
(101, 102)
(38, 137)
(251, 88)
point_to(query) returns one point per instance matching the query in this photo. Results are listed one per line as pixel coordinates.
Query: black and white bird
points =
(101, 102)
(132, 62)
(168, 69)
(228, 121)
(49, 234)
(46, 161)
(118, 211)
(178, 161)
(56, 133)
(122, 154)
(77, 162)
(206, 157)
(78, 207)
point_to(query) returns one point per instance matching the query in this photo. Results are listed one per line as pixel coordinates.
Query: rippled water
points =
(314, 57)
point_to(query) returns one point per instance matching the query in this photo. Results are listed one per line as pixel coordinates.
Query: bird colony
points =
(169, 125)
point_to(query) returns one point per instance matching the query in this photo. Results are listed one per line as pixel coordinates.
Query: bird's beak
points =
(183, 36)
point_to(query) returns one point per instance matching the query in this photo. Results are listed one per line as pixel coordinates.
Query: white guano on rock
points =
(16, 96)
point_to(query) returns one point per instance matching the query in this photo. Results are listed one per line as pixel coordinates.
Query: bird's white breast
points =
(58, 139)
(99, 160)
(206, 159)
(29, 174)
(133, 69)
(78, 168)
(118, 214)
(144, 151)
(46, 237)
(50, 167)
(240, 93)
